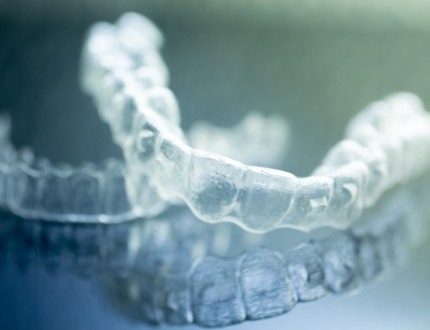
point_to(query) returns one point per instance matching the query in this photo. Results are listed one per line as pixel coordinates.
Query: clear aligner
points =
(267, 139)
(387, 144)
(264, 283)
(164, 269)
(36, 188)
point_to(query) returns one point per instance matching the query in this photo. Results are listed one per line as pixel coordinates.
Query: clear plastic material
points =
(165, 269)
(387, 144)
(35, 188)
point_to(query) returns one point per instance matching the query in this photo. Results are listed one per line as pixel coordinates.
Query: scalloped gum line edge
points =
(387, 144)
(36, 189)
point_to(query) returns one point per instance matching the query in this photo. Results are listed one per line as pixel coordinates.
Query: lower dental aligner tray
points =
(386, 145)
(37, 189)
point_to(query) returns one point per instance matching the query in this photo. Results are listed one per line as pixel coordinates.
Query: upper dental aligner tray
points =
(35, 188)
(385, 145)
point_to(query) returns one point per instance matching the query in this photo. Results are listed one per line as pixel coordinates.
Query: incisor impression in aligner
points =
(38, 189)
(385, 145)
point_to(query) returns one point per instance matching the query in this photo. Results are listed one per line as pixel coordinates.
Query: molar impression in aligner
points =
(391, 140)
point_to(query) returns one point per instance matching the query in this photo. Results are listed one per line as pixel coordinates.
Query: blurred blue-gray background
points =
(315, 62)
